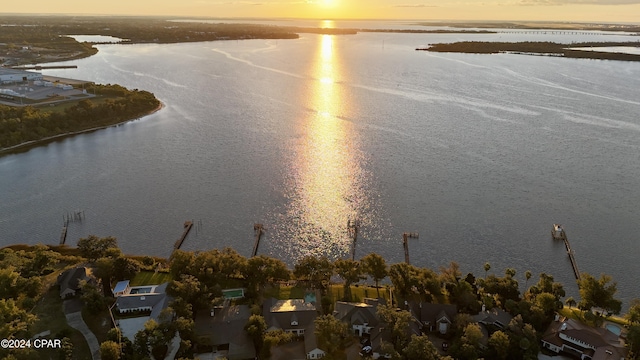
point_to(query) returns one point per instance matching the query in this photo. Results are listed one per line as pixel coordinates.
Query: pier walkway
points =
(187, 227)
(558, 233)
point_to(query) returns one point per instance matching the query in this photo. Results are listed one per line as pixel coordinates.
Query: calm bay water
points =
(478, 154)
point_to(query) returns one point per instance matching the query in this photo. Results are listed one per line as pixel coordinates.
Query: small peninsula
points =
(98, 106)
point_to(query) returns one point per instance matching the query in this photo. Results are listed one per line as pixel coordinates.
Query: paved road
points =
(72, 310)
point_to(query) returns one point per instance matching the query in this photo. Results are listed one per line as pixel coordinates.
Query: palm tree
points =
(527, 275)
(487, 267)
(570, 301)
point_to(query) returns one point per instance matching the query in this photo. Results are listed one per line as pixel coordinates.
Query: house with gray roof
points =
(294, 315)
(69, 281)
(311, 343)
(154, 299)
(495, 317)
(434, 317)
(583, 342)
(361, 317)
(223, 328)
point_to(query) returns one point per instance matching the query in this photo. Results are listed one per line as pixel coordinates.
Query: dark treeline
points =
(19, 125)
(479, 47)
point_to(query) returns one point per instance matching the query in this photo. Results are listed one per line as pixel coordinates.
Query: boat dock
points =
(187, 227)
(43, 67)
(258, 229)
(352, 228)
(558, 233)
(63, 235)
(405, 243)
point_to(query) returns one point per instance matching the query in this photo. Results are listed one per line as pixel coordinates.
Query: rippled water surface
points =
(479, 154)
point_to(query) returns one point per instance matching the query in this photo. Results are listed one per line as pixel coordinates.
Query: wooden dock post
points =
(352, 228)
(187, 227)
(63, 235)
(405, 237)
(558, 233)
(258, 229)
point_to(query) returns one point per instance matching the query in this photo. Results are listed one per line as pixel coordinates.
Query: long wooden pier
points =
(405, 243)
(43, 67)
(558, 233)
(187, 227)
(352, 228)
(258, 229)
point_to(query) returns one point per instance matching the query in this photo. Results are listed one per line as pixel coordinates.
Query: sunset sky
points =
(545, 10)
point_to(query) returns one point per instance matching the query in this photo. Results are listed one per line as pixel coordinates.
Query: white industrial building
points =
(8, 76)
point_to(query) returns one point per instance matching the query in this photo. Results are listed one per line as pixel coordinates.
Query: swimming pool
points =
(614, 328)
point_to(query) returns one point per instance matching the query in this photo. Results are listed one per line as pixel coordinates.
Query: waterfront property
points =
(574, 338)
(294, 315)
(69, 281)
(223, 328)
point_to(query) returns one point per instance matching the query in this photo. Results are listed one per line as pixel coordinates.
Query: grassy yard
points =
(150, 278)
(99, 323)
(577, 314)
(51, 317)
(335, 292)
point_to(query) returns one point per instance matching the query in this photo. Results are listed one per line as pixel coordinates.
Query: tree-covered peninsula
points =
(112, 104)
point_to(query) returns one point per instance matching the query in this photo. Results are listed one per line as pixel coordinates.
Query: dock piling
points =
(405, 243)
(187, 227)
(352, 228)
(258, 229)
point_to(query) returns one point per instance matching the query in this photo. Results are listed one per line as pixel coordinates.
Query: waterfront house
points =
(494, 317)
(294, 315)
(583, 342)
(223, 328)
(69, 281)
(433, 317)
(152, 299)
(311, 343)
(361, 317)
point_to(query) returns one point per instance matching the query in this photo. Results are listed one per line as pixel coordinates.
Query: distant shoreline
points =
(536, 48)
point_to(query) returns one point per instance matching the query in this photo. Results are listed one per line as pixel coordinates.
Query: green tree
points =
(256, 328)
(351, 272)
(332, 334)
(487, 267)
(598, 293)
(633, 315)
(66, 349)
(397, 323)
(527, 276)
(263, 270)
(94, 247)
(274, 338)
(499, 345)
(125, 268)
(109, 350)
(14, 321)
(546, 284)
(633, 341)
(9, 283)
(317, 271)
(570, 302)
(181, 262)
(510, 272)
(404, 278)
(421, 348)
(375, 266)
(92, 298)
